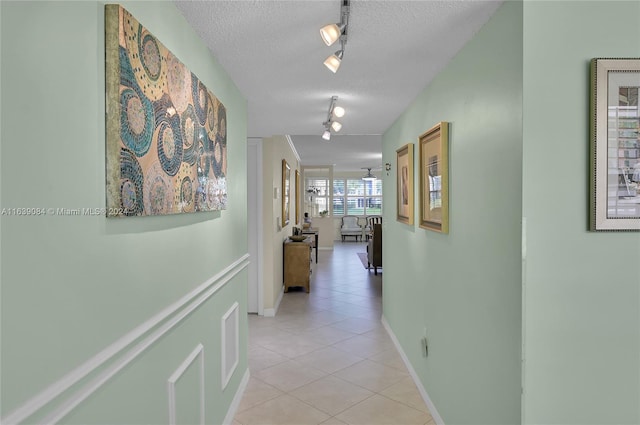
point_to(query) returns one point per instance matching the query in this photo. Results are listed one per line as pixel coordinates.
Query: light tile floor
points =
(326, 358)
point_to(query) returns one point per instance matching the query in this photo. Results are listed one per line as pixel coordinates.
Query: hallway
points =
(326, 357)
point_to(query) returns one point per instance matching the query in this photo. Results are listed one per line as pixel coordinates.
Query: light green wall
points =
(73, 285)
(582, 289)
(464, 288)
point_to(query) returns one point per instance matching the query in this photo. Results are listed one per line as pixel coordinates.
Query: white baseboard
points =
(235, 403)
(432, 408)
(271, 312)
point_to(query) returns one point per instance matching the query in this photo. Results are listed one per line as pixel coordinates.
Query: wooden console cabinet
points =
(297, 264)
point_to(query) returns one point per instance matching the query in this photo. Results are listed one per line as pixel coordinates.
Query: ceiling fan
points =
(368, 176)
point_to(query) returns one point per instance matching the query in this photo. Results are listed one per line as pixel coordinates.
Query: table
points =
(313, 231)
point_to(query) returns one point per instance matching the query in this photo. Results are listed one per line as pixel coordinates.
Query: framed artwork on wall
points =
(286, 192)
(404, 162)
(166, 133)
(434, 178)
(614, 201)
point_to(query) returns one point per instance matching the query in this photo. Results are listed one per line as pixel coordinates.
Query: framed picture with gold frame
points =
(297, 192)
(404, 167)
(286, 192)
(615, 145)
(434, 178)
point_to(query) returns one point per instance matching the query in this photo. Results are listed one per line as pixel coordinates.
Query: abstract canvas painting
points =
(166, 133)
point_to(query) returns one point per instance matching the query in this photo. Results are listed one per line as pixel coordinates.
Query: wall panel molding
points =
(237, 398)
(107, 363)
(230, 343)
(198, 352)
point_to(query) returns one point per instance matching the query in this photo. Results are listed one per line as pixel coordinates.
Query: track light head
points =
(336, 126)
(331, 33)
(326, 135)
(338, 111)
(333, 61)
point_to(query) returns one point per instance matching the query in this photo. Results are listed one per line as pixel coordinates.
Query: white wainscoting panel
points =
(230, 343)
(121, 353)
(237, 398)
(197, 353)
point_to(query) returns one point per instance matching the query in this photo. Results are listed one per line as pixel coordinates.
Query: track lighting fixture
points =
(330, 124)
(331, 33)
(333, 62)
(334, 32)
(368, 176)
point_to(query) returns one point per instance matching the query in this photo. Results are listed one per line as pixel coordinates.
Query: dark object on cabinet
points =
(374, 248)
(371, 220)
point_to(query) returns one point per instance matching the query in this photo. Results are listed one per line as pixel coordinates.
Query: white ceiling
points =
(273, 52)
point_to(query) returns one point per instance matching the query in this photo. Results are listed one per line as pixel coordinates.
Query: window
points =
(359, 197)
(338, 197)
(317, 193)
(350, 196)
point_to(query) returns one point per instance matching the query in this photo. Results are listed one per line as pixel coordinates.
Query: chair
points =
(350, 227)
(371, 220)
(374, 249)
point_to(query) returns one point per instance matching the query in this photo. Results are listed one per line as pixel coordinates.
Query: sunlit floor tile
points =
(282, 410)
(327, 335)
(356, 325)
(289, 375)
(335, 421)
(378, 333)
(266, 336)
(331, 395)
(260, 358)
(389, 358)
(407, 393)
(379, 410)
(329, 359)
(293, 345)
(362, 346)
(371, 375)
(257, 392)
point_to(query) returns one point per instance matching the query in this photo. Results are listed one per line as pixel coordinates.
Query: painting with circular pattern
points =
(166, 133)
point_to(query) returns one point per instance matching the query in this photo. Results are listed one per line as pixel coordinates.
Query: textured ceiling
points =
(273, 52)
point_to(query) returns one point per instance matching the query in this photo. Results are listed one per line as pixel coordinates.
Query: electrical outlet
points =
(424, 342)
(425, 347)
